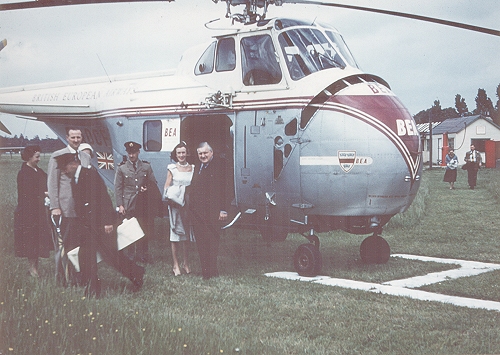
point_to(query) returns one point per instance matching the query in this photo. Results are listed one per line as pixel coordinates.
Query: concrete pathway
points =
(406, 287)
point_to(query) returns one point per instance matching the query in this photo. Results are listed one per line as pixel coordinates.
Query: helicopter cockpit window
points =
(259, 61)
(205, 64)
(307, 51)
(341, 47)
(226, 55)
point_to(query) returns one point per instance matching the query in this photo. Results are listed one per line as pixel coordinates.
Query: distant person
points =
(208, 205)
(137, 195)
(473, 163)
(179, 176)
(32, 237)
(96, 217)
(450, 174)
(62, 205)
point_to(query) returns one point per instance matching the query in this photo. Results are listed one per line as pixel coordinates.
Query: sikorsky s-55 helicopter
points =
(314, 143)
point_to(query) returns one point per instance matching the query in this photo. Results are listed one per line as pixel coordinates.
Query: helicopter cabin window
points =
(205, 64)
(152, 136)
(259, 61)
(308, 51)
(226, 55)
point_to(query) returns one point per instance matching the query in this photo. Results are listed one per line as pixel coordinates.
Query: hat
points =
(132, 147)
(84, 146)
(65, 159)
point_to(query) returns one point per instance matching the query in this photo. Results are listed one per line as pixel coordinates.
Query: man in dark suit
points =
(96, 218)
(208, 205)
(473, 163)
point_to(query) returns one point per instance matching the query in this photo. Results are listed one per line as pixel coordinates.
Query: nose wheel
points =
(307, 258)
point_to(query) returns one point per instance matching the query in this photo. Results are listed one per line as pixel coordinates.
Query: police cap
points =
(132, 147)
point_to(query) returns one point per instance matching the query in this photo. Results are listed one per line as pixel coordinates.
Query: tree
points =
(484, 106)
(461, 106)
(496, 116)
(435, 113)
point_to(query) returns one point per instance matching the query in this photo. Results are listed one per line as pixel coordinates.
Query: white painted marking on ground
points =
(405, 287)
(467, 268)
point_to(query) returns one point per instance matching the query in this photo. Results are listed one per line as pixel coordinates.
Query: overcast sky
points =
(421, 61)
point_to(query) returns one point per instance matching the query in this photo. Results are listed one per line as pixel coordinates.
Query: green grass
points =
(244, 312)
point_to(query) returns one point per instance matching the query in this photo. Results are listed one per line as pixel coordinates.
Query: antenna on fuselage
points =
(103, 67)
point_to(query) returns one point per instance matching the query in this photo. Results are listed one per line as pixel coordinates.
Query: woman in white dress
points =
(179, 176)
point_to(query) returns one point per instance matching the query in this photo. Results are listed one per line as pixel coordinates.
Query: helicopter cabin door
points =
(267, 176)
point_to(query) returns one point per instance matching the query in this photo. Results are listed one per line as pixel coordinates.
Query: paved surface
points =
(406, 287)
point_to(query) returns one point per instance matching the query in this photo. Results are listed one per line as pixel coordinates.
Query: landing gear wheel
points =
(375, 250)
(307, 260)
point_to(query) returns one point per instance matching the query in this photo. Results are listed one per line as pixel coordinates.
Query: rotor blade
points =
(4, 129)
(3, 44)
(52, 3)
(400, 14)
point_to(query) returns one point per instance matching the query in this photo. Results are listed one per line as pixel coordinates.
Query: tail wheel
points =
(307, 260)
(375, 250)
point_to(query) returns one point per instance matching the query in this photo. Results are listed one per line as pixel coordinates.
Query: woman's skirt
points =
(450, 175)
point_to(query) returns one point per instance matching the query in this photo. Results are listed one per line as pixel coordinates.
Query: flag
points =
(105, 161)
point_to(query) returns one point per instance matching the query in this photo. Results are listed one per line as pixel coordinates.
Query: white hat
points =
(85, 146)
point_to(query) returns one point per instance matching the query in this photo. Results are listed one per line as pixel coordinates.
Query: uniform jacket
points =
(59, 185)
(128, 184)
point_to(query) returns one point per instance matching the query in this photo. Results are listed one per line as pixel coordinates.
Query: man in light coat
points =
(62, 204)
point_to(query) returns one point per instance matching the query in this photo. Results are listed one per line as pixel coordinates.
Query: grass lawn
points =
(244, 312)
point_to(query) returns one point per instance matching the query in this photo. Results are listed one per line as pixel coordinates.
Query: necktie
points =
(472, 156)
(135, 167)
(201, 168)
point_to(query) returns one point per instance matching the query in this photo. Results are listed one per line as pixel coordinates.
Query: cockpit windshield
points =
(308, 50)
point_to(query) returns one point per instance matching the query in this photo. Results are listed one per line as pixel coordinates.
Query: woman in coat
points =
(450, 174)
(32, 236)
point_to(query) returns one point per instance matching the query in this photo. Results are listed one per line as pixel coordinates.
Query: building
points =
(459, 133)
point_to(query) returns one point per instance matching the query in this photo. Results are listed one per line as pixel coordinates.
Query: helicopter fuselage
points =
(311, 139)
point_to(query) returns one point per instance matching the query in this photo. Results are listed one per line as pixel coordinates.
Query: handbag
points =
(128, 232)
(176, 194)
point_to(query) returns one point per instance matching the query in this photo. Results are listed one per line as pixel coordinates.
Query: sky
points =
(422, 62)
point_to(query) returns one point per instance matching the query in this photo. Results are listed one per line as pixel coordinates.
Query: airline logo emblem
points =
(347, 158)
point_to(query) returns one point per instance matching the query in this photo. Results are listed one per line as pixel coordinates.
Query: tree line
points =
(46, 145)
(484, 106)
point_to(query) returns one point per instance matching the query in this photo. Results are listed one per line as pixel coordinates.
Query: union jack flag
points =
(105, 161)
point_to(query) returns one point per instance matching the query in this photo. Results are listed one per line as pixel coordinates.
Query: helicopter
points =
(314, 143)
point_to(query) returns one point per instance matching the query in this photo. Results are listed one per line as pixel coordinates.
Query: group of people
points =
(472, 164)
(84, 217)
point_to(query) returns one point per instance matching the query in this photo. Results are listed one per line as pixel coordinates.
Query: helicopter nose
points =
(368, 99)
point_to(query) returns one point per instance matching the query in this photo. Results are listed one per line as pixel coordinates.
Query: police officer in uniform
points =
(135, 191)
